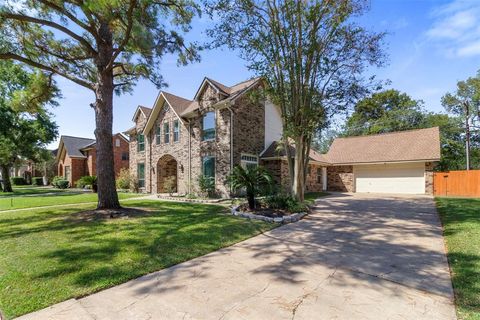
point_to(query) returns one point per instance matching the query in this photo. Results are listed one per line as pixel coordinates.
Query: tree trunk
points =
(7, 186)
(298, 187)
(290, 163)
(251, 201)
(107, 192)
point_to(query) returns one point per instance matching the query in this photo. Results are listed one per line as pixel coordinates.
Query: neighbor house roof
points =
(277, 150)
(73, 145)
(402, 146)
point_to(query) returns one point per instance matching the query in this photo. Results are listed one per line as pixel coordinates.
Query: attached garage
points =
(395, 162)
(406, 178)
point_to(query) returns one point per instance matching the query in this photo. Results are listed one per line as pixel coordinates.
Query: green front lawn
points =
(43, 196)
(310, 197)
(52, 254)
(461, 223)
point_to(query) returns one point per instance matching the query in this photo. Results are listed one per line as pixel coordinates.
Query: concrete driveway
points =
(356, 257)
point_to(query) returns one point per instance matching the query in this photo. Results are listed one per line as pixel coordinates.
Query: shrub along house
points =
(221, 127)
(76, 156)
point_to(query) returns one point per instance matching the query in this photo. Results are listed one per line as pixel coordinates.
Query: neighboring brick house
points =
(180, 139)
(76, 157)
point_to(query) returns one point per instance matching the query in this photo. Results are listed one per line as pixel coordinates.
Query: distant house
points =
(76, 156)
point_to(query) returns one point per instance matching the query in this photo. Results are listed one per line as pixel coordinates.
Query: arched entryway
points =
(60, 170)
(167, 176)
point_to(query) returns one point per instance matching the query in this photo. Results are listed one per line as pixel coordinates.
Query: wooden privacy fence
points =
(457, 183)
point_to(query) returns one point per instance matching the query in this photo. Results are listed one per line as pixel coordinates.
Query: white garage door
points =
(390, 178)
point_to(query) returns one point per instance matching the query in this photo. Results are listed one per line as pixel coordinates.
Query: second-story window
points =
(176, 131)
(208, 126)
(166, 132)
(140, 142)
(158, 134)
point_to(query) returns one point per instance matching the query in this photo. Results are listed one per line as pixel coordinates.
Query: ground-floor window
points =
(67, 173)
(248, 161)
(319, 175)
(208, 166)
(141, 175)
(124, 156)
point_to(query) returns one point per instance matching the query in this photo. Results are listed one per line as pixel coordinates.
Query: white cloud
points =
(472, 49)
(456, 28)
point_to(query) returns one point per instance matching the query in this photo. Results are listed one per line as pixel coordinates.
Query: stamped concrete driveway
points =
(356, 257)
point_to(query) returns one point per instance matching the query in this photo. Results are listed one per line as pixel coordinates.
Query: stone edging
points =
(193, 200)
(285, 219)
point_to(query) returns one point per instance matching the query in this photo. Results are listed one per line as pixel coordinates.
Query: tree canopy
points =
(26, 123)
(104, 46)
(465, 103)
(311, 55)
(391, 110)
(385, 111)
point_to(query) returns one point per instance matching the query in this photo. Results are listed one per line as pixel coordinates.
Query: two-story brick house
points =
(76, 156)
(221, 127)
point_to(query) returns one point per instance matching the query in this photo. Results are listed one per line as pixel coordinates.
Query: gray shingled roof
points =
(74, 144)
(184, 106)
(410, 145)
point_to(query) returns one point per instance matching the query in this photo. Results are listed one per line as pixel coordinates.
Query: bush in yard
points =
(170, 184)
(18, 181)
(55, 180)
(123, 179)
(252, 179)
(87, 181)
(284, 202)
(206, 185)
(37, 181)
(62, 184)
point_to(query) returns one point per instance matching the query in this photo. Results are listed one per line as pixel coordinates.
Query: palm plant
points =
(252, 179)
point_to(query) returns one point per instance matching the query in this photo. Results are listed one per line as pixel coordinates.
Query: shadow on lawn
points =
(466, 280)
(457, 210)
(110, 251)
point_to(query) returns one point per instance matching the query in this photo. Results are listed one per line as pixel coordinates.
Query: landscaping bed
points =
(267, 214)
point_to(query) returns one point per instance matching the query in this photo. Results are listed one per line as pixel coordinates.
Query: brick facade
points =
(279, 170)
(247, 137)
(340, 178)
(86, 165)
(429, 167)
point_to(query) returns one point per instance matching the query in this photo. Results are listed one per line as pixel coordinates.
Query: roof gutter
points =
(382, 162)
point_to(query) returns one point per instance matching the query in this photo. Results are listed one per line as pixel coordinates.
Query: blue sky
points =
(431, 45)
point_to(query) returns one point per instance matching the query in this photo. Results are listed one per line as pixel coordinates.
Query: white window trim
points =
(245, 162)
(214, 125)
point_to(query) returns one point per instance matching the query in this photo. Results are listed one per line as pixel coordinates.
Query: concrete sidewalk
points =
(356, 257)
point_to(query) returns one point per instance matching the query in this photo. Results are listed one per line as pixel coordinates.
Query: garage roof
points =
(402, 146)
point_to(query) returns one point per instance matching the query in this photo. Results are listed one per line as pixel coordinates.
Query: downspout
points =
(231, 142)
(189, 156)
(150, 164)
